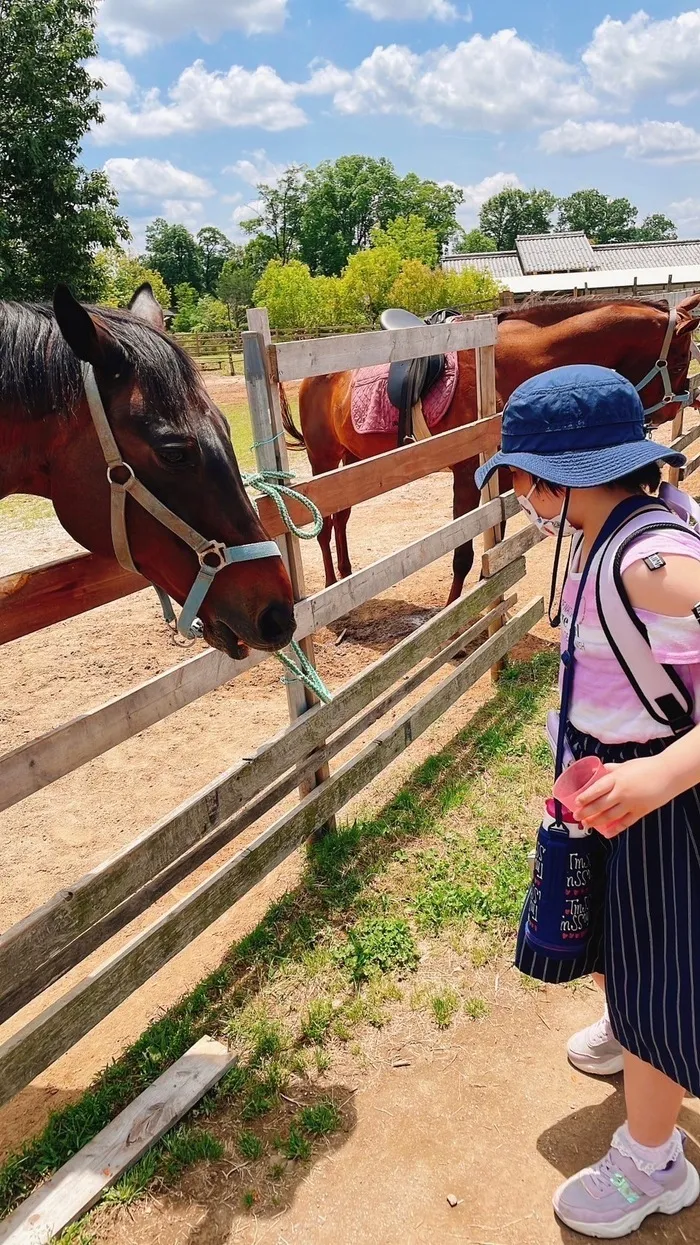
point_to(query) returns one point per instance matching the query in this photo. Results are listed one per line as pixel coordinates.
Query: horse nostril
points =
(276, 624)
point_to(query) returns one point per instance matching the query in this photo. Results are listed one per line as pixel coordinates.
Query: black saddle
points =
(411, 379)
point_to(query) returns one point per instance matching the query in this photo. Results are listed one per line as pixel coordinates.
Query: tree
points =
(119, 274)
(473, 242)
(210, 316)
(290, 295)
(186, 299)
(418, 288)
(436, 205)
(237, 283)
(53, 214)
(656, 228)
(214, 249)
(279, 219)
(471, 290)
(513, 212)
(411, 237)
(172, 251)
(368, 280)
(602, 219)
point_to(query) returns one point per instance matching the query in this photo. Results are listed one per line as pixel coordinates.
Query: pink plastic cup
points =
(576, 779)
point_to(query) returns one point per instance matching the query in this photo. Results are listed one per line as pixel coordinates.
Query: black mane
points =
(40, 373)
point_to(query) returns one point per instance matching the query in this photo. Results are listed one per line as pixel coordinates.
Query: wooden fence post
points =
(486, 406)
(271, 454)
(674, 473)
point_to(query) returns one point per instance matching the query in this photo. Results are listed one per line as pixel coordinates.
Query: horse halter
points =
(660, 368)
(212, 554)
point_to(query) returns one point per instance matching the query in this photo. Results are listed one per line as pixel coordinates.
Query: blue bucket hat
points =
(578, 426)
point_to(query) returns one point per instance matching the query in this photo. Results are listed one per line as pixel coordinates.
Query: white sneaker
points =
(596, 1050)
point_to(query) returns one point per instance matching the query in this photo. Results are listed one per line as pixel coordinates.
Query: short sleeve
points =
(674, 641)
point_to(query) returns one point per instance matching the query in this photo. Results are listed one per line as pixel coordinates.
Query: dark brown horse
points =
(627, 335)
(169, 432)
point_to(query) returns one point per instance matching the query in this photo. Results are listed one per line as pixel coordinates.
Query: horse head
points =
(678, 356)
(687, 323)
(178, 445)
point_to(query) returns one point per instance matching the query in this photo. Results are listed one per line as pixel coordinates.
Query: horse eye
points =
(176, 455)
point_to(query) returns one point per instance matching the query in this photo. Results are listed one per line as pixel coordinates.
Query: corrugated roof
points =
(647, 254)
(634, 281)
(555, 252)
(499, 263)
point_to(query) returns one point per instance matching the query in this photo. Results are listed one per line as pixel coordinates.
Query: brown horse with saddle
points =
(354, 415)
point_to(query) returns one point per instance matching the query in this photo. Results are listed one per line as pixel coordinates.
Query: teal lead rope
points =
(275, 484)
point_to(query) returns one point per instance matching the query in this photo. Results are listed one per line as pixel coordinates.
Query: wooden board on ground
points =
(322, 356)
(42, 1040)
(80, 1183)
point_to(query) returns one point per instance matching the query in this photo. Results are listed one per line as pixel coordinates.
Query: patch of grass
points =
(321, 1119)
(24, 511)
(322, 1060)
(296, 1146)
(75, 1234)
(317, 1021)
(134, 1184)
(165, 1162)
(250, 1146)
(445, 1006)
(249, 1199)
(476, 1009)
(259, 1100)
(380, 945)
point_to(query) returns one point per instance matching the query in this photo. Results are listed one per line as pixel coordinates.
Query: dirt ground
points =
(491, 1112)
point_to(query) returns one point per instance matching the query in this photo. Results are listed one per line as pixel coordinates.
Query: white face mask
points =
(549, 527)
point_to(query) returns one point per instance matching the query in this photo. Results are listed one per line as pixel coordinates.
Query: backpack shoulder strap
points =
(658, 686)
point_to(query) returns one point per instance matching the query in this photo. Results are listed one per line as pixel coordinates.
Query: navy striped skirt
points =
(645, 921)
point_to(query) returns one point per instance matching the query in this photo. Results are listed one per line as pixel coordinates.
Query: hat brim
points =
(583, 468)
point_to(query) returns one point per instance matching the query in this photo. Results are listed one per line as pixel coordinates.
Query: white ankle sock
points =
(648, 1159)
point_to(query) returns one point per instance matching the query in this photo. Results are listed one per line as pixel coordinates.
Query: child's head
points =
(577, 427)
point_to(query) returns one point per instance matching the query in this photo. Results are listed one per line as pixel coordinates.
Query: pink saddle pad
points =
(373, 412)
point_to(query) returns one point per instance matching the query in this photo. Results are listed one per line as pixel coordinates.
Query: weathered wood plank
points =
(681, 443)
(33, 1048)
(30, 949)
(41, 761)
(51, 970)
(514, 547)
(80, 1183)
(37, 598)
(55, 591)
(690, 467)
(321, 356)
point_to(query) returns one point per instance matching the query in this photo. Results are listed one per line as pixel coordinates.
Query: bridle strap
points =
(660, 368)
(212, 554)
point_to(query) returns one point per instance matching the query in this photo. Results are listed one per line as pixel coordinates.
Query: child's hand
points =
(624, 794)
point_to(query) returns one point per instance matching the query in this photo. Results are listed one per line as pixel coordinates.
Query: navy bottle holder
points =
(558, 906)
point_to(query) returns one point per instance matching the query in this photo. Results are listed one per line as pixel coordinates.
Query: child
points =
(574, 440)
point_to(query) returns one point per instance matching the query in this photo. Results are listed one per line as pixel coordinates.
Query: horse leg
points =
(340, 523)
(324, 540)
(466, 498)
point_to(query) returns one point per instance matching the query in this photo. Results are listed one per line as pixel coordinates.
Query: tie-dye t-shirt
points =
(603, 703)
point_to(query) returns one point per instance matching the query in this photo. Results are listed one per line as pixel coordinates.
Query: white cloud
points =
(155, 179)
(183, 212)
(686, 212)
(475, 195)
(401, 10)
(663, 142)
(202, 100)
(498, 83)
(257, 169)
(118, 82)
(245, 211)
(136, 25)
(326, 78)
(641, 55)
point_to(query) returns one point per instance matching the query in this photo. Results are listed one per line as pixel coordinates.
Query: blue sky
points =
(204, 98)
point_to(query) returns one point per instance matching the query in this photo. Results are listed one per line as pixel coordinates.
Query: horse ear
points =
(145, 305)
(89, 339)
(688, 315)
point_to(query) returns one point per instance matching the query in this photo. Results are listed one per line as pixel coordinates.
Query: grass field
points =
(367, 932)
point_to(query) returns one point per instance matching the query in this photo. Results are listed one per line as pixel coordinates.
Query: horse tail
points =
(288, 422)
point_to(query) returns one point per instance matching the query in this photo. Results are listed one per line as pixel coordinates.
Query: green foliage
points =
(279, 220)
(237, 280)
(186, 299)
(473, 241)
(477, 1009)
(656, 228)
(601, 218)
(119, 275)
(53, 214)
(418, 288)
(210, 316)
(369, 278)
(444, 1006)
(321, 1119)
(317, 1021)
(290, 295)
(214, 249)
(512, 212)
(379, 945)
(411, 237)
(173, 252)
(296, 1146)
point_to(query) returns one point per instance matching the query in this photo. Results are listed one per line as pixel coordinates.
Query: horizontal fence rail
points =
(59, 751)
(34, 1047)
(56, 591)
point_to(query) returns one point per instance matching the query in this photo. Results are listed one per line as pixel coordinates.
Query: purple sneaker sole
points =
(667, 1203)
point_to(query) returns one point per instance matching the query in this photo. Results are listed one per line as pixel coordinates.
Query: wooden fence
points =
(41, 948)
